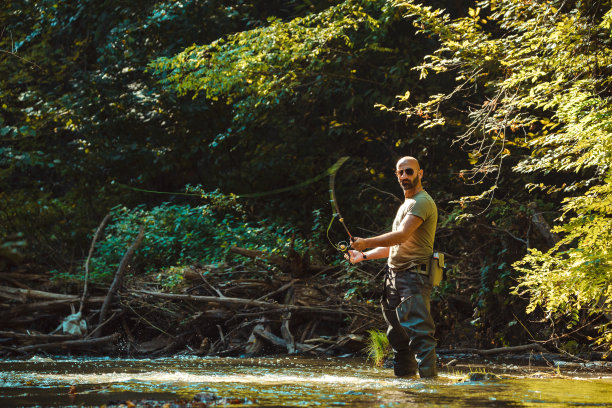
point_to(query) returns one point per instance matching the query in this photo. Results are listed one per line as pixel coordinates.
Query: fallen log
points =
(277, 341)
(91, 249)
(24, 276)
(13, 281)
(279, 290)
(50, 305)
(254, 344)
(285, 320)
(36, 336)
(243, 302)
(11, 296)
(34, 294)
(71, 343)
(119, 275)
(499, 350)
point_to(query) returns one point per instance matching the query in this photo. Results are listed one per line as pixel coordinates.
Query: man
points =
(409, 246)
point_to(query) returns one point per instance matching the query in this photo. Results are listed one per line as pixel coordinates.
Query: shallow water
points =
(288, 382)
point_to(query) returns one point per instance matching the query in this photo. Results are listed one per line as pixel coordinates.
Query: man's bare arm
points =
(410, 224)
(358, 256)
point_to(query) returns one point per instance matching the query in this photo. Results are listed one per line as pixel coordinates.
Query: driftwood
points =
(287, 336)
(277, 341)
(72, 343)
(279, 290)
(50, 305)
(34, 294)
(207, 313)
(242, 302)
(119, 275)
(309, 345)
(14, 282)
(23, 276)
(91, 249)
(36, 336)
(286, 320)
(499, 350)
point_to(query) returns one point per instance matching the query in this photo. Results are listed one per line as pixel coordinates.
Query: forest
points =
(165, 169)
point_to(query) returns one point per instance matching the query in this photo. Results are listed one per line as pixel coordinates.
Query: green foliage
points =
(259, 66)
(183, 235)
(378, 348)
(171, 278)
(577, 272)
(300, 89)
(78, 112)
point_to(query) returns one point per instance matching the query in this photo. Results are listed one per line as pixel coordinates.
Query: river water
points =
(289, 382)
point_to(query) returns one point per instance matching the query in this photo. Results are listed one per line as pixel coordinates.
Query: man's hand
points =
(354, 256)
(358, 243)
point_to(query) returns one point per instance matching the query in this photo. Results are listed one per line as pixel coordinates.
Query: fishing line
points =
(341, 246)
(329, 172)
(142, 190)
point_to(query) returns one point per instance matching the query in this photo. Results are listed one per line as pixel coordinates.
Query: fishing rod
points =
(341, 246)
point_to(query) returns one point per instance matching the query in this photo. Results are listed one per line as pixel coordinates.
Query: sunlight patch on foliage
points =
(254, 62)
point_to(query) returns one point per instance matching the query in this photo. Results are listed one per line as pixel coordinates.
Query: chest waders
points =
(411, 329)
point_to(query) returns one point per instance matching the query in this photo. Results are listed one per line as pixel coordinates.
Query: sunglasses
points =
(409, 172)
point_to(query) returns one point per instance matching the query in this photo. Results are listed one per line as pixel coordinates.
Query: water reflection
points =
(287, 382)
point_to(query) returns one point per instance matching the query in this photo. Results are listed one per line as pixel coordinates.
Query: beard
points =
(410, 184)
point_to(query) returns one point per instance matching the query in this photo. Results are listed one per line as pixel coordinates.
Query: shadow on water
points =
(286, 382)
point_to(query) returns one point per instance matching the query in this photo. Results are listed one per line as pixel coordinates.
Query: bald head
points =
(408, 161)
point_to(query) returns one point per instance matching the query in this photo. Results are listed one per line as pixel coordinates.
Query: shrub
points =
(181, 234)
(378, 347)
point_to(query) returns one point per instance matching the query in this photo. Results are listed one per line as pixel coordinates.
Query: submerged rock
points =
(39, 359)
(475, 377)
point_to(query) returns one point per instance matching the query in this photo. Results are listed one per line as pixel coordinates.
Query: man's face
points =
(408, 174)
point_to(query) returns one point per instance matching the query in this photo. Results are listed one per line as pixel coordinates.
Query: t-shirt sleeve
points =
(421, 208)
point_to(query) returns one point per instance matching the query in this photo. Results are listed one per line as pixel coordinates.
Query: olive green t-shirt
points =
(418, 248)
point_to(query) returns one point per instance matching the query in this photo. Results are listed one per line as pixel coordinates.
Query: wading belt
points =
(421, 269)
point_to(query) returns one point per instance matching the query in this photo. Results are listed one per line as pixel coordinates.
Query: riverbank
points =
(224, 310)
(201, 310)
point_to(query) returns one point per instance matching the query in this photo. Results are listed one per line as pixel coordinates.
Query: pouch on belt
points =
(436, 268)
